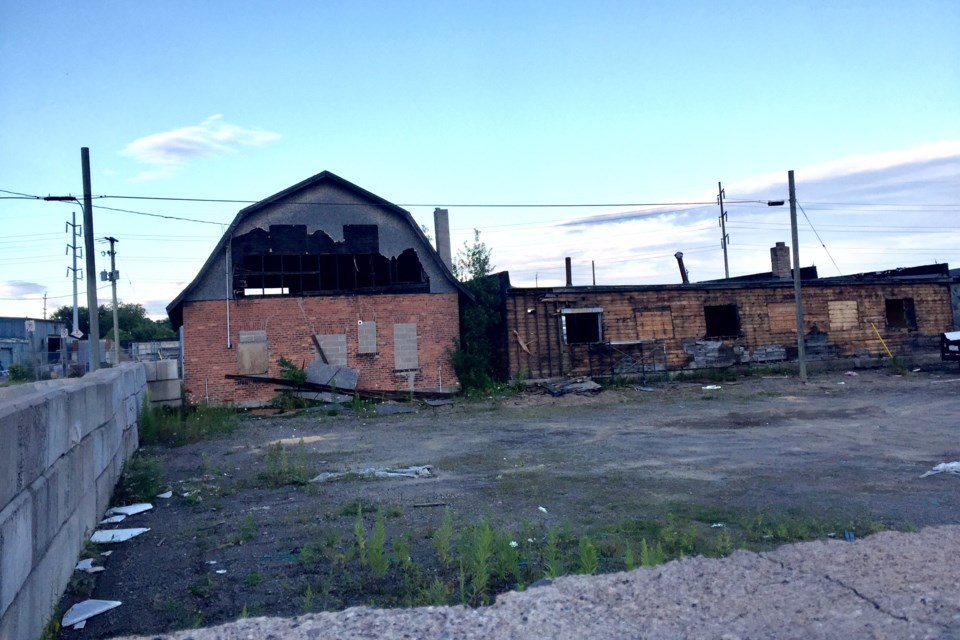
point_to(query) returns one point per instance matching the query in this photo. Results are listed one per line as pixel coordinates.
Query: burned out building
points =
(629, 329)
(322, 271)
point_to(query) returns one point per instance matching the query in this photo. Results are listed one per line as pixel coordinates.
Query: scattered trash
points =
(103, 536)
(211, 562)
(87, 566)
(944, 467)
(647, 389)
(166, 495)
(851, 373)
(712, 387)
(79, 625)
(831, 535)
(577, 385)
(424, 471)
(513, 544)
(542, 509)
(438, 403)
(130, 509)
(917, 370)
(717, 525)
(849, 536)
(220, 571)
(841, 382)
(114, 519)
(85, 610)
(390, 409)
(106, 554)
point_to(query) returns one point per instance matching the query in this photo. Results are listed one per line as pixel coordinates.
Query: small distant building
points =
(323, 272)
(628, 329)
(32, 343)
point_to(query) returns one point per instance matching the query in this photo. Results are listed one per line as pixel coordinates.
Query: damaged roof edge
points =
(175, 308)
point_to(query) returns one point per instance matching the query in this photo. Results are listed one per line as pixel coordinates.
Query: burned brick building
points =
(615, 330)
(322, 270)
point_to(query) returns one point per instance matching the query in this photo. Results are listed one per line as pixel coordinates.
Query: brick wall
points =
(290, 324)
(837, 323)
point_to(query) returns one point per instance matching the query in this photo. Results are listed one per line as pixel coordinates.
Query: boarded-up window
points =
(405, 356)
(782, 316)
(901, 314)
(334, 347)
(582, 326)
(723, 320)
(253, 356)
(843, 314)
(367, 337)
(655, 324)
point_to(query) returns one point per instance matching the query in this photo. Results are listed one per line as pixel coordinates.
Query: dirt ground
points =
(840, 448)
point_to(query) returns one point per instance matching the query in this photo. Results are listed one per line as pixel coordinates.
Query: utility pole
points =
(798, 301)
(72, 230)
(724, 238)
(113, 276)
(91, 270)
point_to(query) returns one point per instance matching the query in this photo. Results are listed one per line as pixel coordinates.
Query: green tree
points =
(134, 324)
(481, 320)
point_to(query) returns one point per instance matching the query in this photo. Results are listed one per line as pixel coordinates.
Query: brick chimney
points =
(441, 227)
(780, 261)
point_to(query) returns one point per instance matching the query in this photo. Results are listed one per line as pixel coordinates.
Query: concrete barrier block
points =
(53, 572)
(131, 409)
(31, 441)
(165, 390)
(16, 548)
(58, 431)
(91, 411)
(45, 509)
(67, 488)
(9, 430)
(19, 619)
(167, 370)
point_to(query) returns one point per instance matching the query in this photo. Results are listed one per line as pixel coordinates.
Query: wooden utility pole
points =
(798, 300)
(724, 238)
(91, 268)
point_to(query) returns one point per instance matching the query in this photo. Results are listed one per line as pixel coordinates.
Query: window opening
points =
(901, 314)
(723, 320)
(582, 326)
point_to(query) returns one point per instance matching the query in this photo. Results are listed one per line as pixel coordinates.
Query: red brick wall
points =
(767, 322)
(290, 323)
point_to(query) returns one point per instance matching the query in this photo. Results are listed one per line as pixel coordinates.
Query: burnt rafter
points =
(286, 260)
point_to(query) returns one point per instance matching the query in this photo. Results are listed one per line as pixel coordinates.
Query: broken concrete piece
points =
(103, 536)
(114, 519)
(87, 609)
(332, 375)
(166, 495)
(944, 467)
(79, 625)
(130, 509)
(579, 385)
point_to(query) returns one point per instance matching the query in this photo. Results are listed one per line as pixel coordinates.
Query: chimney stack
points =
(780, 261)
(441, 227)
(569, 269)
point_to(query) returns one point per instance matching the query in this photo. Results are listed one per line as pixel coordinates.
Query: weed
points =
(253, 579)
(552, 562)
(244, 613)
(140, 480)
(308, 599)
(175, 427)
(280, 471)
(247, 530)
(308, 554)
(589, 561)
(651, 556)
(443, 537)
(360, 535)
(506, 558)
(203, 586)
(629, 562)
(401, 552)
(377, 557)
(477, 552)
(438, 593)
(19, 372)
(361, 406)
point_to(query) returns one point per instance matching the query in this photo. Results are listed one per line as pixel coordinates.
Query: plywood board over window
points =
(367, 336)
(405, 348)
(655, 324)
(253, 356)
(782, 316)
(843, 315)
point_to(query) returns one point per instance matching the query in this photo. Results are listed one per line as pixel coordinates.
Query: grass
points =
(281, 470)
(178, 426)
(140, 480)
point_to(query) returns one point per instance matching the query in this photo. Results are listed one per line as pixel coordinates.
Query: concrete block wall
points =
(163, 383)
(62, 448)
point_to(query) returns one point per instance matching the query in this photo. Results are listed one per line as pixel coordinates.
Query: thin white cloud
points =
(169, 150)
(20, 289)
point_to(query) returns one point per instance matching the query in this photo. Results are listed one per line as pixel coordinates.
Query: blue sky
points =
(448, 103)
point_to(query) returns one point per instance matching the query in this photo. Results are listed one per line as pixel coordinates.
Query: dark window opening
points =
(582, 327)
(723, 320)
(901, 314)
(286, 261)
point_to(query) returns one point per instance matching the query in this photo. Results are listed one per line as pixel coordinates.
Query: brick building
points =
(322, 270)
(611, 330)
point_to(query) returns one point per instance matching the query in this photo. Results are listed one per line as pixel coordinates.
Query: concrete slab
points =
(165, 390)
(16, 548)
(335, 375)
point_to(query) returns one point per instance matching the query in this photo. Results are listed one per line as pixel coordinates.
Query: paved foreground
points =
(891, 585)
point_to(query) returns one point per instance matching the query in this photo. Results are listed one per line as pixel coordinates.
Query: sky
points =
(612, 124)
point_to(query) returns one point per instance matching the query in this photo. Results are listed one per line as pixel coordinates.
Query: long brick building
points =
(323, 269)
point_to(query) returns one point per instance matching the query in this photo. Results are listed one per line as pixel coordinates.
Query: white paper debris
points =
(220, 571)
(211, 562)
(166, 495)
(944, 467)
(717, 525)
(543, 509)
(712, 387)
(87, 609)
(114, 519)
(79, 625)
(87, 565)
(423, 471)
(106, 553)
(102, 536)
(130, 509)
